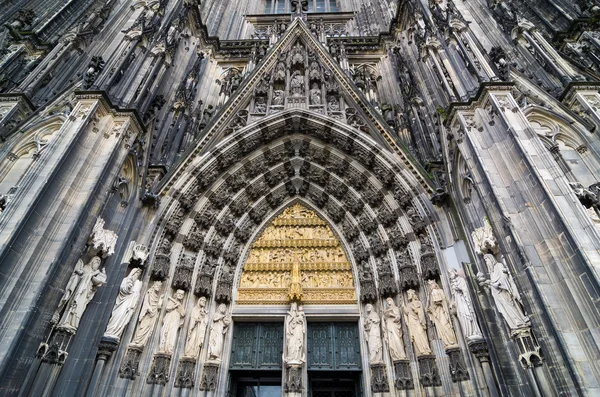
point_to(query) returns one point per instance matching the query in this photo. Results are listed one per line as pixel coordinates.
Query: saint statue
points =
(440, 315)
(505, 294)
(278, 96)
(148, 315)
(393, 330)
(373, 335)
(297, 84)
(173, 320)
(295, 329)
(129, 292)
(315, 95)
(82, 286)
(220, 324)
(332, 104)
(415, 320)
(463, 306)
(197, 330)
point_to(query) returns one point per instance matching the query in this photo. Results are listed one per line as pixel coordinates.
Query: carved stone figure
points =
(206, 115)
(505, 293)
(440, 315)
(220, 324)
(148, 315)
(415, 320)
(295, 329)
(129, 293)
(278, 97)
(373, 335)
(198, 322)
(80, 290)
(333, 104)
(393, 330)
(315, 95)
(173, 320)
(463, 306)
(297, 84)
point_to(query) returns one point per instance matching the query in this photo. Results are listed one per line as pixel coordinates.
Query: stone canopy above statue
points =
(297, 258)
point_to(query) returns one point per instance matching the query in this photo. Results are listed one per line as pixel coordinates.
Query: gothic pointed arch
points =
(297, 257)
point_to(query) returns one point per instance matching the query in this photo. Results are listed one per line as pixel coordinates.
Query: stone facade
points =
(447, 149)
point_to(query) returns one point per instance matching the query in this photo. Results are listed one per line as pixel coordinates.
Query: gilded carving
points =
(296, 258)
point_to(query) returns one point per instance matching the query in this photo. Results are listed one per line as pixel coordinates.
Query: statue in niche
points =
(393, 330)
(260, 105)
(173, 320)
(280, 71)
(295, 329)
(198, 322)
(82, 286)
(333, 104)
(463, 306)
(152, 302)
(220, 324)
(373, 331)
(207, 115)
(129, 293)
(315, 95)
(297, 84)
(314, 71)
(505, 293)
(415, 321)
(440, 315)
(278, 98)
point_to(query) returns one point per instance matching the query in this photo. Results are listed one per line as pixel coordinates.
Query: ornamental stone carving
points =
(139, 255)
(80, 290)
(505, 293)
(440, 315)
(162, 260)
(102, 240)
(372, 327)
(393, 330)
(484, 240)
(148, 315)
(220, 324)
(128, 297)
(463, 307)
(295, 332)
(197, 329)
(173, 320)
(417, 326)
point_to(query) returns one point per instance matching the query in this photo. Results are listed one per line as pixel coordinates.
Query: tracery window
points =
(282, 6)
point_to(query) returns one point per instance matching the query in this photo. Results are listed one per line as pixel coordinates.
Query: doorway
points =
(334, 384)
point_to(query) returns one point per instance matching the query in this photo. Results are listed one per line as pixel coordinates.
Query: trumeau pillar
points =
(516, 180)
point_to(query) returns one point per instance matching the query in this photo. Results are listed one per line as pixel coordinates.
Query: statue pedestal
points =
(404, 380)
(293, 383)
(159, 370)
(428, 370)
(185, 373)
(379, 380)
(210, 377)
(458, 368)
(131, 362)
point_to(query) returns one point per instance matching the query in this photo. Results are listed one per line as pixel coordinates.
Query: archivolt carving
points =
(344, 180)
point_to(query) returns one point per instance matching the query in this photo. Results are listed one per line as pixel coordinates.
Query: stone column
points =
(105, 350)
(479, 348)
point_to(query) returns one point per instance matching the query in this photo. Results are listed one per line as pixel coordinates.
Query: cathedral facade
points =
(300, 198)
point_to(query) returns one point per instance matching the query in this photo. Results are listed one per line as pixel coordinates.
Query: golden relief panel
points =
(297, 258)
